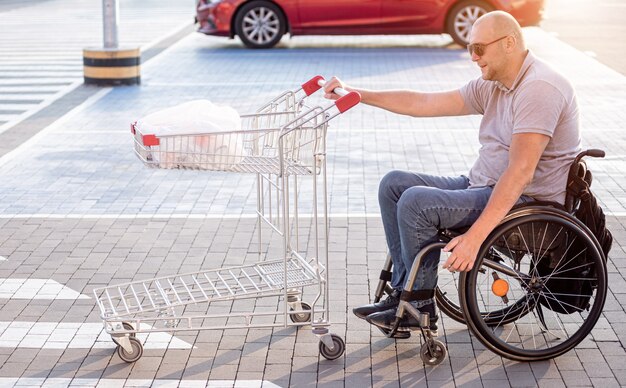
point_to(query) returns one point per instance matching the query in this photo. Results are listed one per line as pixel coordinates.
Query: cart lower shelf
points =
(269, 277)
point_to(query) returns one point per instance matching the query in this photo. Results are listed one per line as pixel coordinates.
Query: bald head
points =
(500, 23)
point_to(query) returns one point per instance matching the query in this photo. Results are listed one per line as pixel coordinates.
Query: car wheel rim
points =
(464, 20)
(261, 25)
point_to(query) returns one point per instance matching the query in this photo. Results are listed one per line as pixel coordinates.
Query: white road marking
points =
(53, 335)
(173, 216)
(78, 382)
(196, 216)
(36, 289)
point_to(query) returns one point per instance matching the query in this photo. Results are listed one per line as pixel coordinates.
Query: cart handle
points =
(347, 100)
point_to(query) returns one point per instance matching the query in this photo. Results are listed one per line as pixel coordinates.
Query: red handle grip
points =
(348, 101)
(311, 86)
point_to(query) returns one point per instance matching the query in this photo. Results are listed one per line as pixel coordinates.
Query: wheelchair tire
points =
(544, 331)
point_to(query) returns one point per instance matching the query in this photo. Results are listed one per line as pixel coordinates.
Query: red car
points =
(262, 23)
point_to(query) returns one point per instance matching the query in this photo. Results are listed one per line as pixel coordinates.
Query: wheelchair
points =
(536, 290)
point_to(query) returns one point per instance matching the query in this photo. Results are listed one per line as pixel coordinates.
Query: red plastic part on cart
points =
(150, 140)
(132, 128)
(311, 86)
(348, 101)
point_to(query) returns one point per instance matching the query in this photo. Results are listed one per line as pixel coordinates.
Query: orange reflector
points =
(500, 287)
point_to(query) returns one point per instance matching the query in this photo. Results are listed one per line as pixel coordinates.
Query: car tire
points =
(260, 24)
(462, 16)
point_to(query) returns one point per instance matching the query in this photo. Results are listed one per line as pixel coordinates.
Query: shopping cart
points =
(284, 144)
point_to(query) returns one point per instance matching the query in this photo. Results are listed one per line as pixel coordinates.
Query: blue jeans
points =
(414, 207)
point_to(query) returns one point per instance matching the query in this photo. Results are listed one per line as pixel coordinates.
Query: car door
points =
(406, 16)
(339, 16)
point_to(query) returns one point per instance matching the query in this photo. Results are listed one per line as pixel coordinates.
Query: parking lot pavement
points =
(78, 211)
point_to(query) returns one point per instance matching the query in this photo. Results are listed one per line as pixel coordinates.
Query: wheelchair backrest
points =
(579, 173)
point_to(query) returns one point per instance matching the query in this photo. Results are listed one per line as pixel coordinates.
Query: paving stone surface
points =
(77, 208)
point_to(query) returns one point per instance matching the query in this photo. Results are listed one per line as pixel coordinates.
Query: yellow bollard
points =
(111, 66)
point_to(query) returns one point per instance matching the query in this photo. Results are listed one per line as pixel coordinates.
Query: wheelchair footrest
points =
(396, 335)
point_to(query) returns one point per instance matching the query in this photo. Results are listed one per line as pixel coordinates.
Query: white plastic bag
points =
(196, 134)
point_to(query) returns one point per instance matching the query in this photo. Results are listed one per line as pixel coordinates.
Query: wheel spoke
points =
(560, 302)
(257, 35)
(543, 238)
(557, 318)
(266, 37)
(570, 269)
(269, 15)
(569, 261)
(475, 13)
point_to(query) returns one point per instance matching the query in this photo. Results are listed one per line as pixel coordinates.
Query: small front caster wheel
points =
(136, 353)
(336, 352)
(435, 357)
(128, 326)
(302, 317)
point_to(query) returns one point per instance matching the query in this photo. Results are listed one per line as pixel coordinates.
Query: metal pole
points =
(110, 18)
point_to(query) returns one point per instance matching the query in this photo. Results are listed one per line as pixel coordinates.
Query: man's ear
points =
(510, 43)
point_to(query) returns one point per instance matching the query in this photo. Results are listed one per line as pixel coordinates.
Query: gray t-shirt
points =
(540, 101)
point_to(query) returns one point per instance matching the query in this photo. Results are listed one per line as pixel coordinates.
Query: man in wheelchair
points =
(529, 135)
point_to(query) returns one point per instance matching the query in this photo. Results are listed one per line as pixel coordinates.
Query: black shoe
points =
(385, 319)
(391, 302)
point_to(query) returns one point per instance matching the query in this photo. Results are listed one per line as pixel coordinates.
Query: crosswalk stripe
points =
(15, 107)
(21, 97)
(36, 88)
(162, 383)
(56, 81)
(8, 74)
(14, 288)
(55, 335)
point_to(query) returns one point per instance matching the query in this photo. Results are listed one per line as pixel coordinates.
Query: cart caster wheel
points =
(135, 355)
(440, 353)
(128, 326)
(303, 317)
(339, 348)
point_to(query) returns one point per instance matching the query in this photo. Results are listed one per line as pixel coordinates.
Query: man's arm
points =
(524, 154)
(406, 102)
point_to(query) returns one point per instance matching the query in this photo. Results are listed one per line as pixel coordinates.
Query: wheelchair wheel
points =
(551, 268)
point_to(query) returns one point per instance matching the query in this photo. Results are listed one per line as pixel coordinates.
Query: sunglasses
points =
(479, 48)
